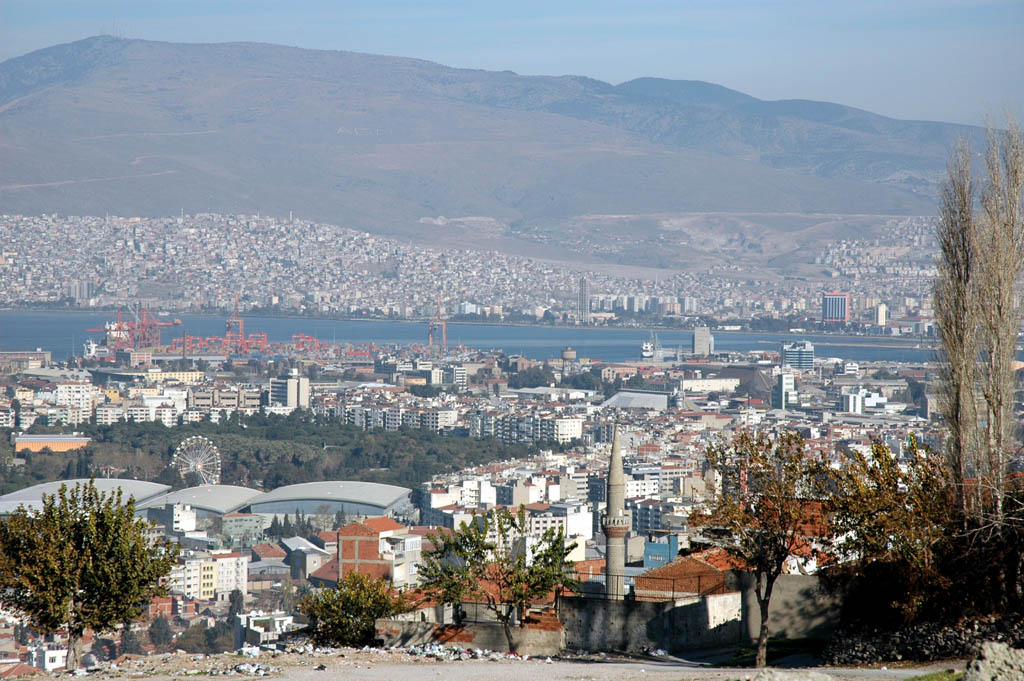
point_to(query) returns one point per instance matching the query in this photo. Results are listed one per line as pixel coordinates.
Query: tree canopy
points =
(344, 616)
(82, 561)
(765, 511)
(494, 560)
(270, 450)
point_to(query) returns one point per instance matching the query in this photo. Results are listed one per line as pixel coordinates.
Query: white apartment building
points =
(166, 415)
(140, 413)
(205, 576)
(649, 487)
(109, 414)
(75, 393)
(231, 573)
(185, 576)
(561, 430)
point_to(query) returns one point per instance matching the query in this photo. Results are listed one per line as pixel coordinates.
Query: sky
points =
(949, 60)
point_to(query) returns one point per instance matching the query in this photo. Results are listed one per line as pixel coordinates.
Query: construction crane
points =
(144, 331)
(438, 324)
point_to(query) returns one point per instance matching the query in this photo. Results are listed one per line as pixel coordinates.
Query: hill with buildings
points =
(393, 144)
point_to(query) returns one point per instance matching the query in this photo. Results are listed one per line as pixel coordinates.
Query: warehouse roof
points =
(216, 498)
(32, 497)
(371, 493)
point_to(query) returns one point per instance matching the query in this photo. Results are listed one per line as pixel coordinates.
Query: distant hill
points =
(136, 127)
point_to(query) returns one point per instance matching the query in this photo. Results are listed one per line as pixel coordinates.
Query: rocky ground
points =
(305, 663)
(926, 641)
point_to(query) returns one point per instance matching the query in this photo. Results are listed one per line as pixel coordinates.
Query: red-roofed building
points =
(383, 526)
(328, 541)
(326, 576)
(269, 552)
(18, 670)
(379, 547)
(703, 573)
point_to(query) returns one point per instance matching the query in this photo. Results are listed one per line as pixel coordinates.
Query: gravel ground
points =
(397, 665)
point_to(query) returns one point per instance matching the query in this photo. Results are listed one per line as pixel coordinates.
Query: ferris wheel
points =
(199, 456)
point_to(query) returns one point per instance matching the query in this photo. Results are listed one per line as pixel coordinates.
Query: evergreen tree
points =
(130, 644)
(160, 633)
(237, 604)
(81, 561)
(345, 615)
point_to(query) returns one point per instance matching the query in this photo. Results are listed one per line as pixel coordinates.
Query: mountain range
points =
(392, 145)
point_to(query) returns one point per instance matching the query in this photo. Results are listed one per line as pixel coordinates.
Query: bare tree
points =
(978, 315)
(954, 293)
(1000, 262)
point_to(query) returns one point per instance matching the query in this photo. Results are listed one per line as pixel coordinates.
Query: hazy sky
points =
(944, 60)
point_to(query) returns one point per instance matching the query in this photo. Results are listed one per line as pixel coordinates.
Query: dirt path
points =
(378, 665)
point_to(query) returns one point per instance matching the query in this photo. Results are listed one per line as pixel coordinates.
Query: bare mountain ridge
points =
(139, 127)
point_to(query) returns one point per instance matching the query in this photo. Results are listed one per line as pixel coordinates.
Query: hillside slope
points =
(138, 127)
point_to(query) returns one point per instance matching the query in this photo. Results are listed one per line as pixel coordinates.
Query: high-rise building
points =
(583, 302)
(799, 355)
(290, 391)
(784, 393)
(881, 314)
(835, 307)
(703, 341)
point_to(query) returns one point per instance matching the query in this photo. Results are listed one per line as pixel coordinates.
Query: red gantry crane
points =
(437, 324)
(144, 331)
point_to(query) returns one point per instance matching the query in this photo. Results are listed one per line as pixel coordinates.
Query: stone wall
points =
(542, 636)
(691, 623)
(800, 608)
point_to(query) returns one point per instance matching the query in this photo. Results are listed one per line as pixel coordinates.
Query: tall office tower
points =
(835, 307)
(583, 302)
(799, 355)
(703, 341)
(616, 525)
(290, 391)
(784, 393)
(882, 314)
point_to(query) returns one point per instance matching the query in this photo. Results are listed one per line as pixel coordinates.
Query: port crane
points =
(144, 331)
(438, 324)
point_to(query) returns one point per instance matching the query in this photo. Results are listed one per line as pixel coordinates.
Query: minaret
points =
(615, 525)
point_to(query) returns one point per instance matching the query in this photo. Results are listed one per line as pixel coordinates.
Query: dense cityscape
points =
(386, 341)
(206, 262)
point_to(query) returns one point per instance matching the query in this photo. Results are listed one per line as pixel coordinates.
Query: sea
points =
(63, 333)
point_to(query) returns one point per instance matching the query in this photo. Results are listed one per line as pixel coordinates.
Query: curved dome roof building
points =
(207, 500)
(328, 497)
(32, 497)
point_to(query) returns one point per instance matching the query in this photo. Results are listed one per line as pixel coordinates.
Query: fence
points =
(643, 588)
